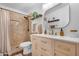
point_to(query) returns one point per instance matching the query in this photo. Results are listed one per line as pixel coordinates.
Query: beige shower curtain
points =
(4, 31)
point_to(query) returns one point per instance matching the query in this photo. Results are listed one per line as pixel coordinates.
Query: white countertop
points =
(65, 38)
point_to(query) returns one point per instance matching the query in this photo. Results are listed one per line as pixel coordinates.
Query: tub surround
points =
(19, 29)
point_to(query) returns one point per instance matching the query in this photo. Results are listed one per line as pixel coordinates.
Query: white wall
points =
(74, 20)
(37, 21)
(37, 8)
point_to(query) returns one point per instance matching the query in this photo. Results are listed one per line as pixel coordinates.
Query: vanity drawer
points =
(44, 54)
(45, 42)
(67, 48)
(46, 50)
(47, 46)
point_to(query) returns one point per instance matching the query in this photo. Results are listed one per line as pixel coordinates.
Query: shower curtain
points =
(4, 31)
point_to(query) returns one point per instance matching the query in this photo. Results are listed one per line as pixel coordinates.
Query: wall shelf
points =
(38, 16)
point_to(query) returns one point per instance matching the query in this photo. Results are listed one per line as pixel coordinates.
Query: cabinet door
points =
(57, 53)
(45, 41)
(35, 46)
(53, 46)
(78, 49)
(67, 48)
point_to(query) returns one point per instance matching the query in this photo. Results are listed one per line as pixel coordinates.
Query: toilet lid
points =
(25, 44)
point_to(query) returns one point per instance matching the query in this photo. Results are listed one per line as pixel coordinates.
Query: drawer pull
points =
(43, 42)
(34, 38)
(64, 48)
(43, 49)
(41, 55)
(55, 54)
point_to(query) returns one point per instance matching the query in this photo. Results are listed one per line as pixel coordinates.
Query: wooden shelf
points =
(38, 16)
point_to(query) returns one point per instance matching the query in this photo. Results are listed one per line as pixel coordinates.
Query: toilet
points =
(27, 47)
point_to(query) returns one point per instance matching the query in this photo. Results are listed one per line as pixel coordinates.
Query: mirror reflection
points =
(57, 16)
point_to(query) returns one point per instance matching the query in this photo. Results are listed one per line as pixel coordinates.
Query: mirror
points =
(58, 16)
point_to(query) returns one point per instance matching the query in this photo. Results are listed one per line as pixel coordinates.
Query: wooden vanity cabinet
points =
(77, 49)
(58, 53)
(65, 48)
(35, 46)
(43, 46)
(46, 46)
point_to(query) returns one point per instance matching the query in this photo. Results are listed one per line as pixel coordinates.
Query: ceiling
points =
(23, 7)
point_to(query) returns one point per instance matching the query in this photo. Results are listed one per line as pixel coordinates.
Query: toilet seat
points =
(25, 44)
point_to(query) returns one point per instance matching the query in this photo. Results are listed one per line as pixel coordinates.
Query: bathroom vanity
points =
(50, 42)
(50, 45)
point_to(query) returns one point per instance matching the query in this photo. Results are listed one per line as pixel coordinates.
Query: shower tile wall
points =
(19, 29)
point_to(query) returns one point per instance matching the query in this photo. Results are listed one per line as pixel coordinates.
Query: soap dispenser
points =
(61, 32)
